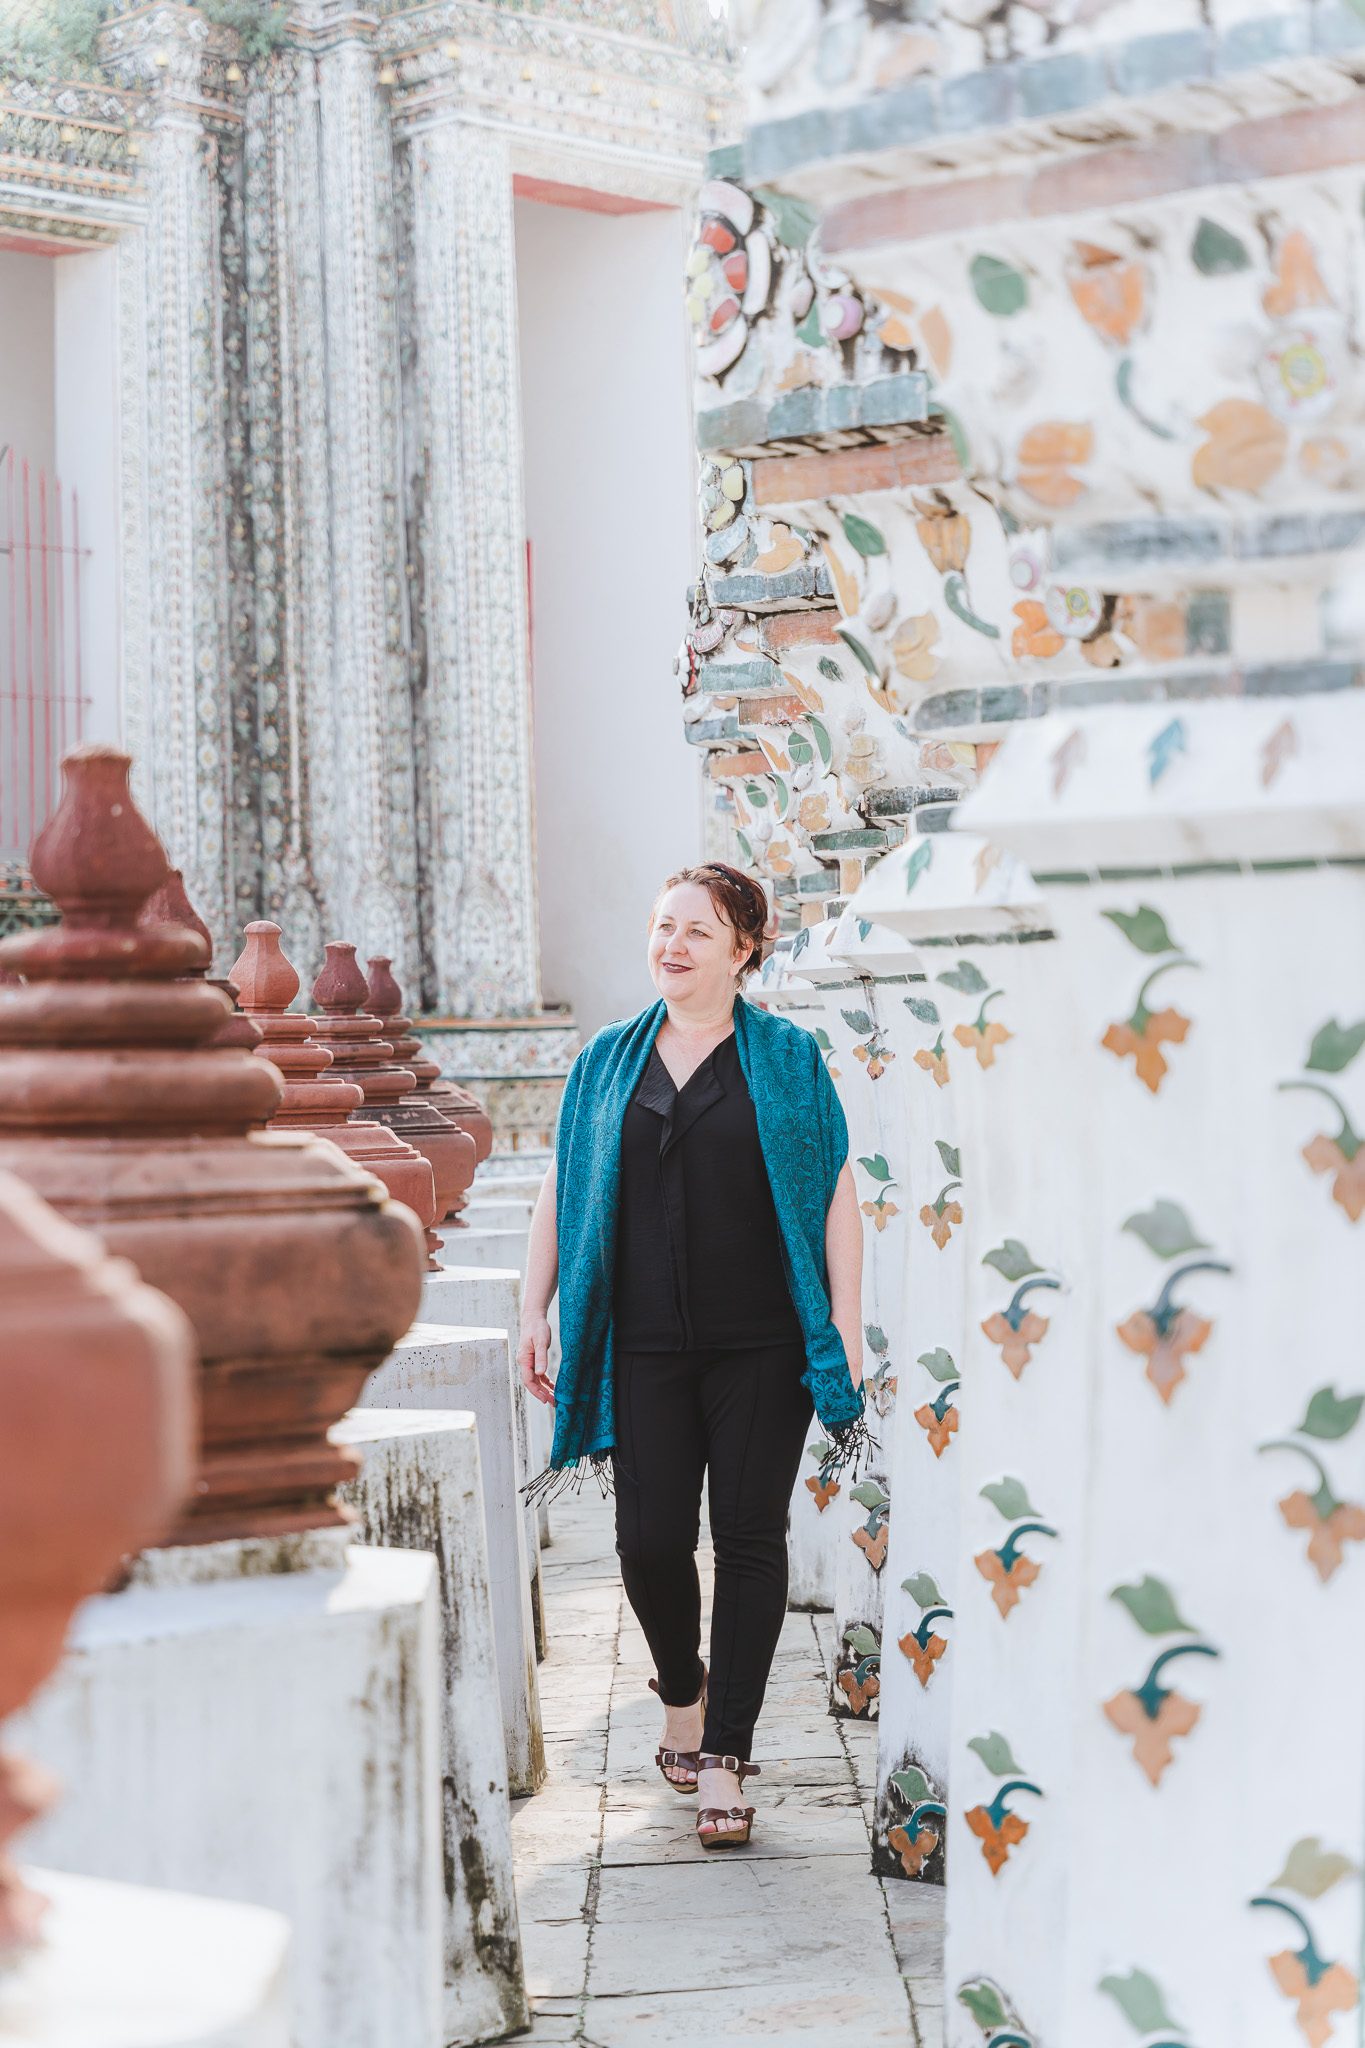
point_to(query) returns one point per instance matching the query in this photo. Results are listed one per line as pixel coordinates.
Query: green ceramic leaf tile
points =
(877, 1166)
(995, 1754)
(869, 1495)
(1152, 1606)
(951, 1157)
(921, 1007)
(856, 648)
(1010, 1496)
(819, 1451)
(984, 2004)
(1310, 1870)
(863, 535)
(832, 673)
(1334, 1047)
(911, 1784)
(810, 330)
(998, 285)
(857, 1020)
(1012, 1259)
(793, 219)
(966, 978)
(1144, 928)
(862, 1641)
(876, 1337)
(923, 1590)
(1331, 1415)
(939, 1363)
(1216, 252)
(955, 597)
(1165, 1229)
(1138, 1997)
(920, 859)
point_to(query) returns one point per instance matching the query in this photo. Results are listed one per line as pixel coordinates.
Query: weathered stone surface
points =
(436, 1366)
(122, 1963)
(419, 1488)
(272, 1738)
(97, 1429)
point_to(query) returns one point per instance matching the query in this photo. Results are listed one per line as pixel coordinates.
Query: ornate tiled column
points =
(470, 533)
(178, 669)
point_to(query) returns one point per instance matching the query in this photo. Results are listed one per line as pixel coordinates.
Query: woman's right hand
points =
(533, 1358)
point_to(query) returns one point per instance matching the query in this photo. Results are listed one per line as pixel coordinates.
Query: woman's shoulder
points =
(779, 1036)
(611, 1038)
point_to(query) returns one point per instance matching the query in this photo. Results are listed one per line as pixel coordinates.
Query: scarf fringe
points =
(851, 1448)
(558, 1480)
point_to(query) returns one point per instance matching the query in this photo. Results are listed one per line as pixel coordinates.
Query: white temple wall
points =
(608, 475)
(26, 398)
(84, 359)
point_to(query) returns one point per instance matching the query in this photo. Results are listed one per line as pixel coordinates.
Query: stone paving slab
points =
(636, 1937)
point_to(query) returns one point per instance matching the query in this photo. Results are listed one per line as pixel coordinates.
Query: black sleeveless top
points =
(698, 1250)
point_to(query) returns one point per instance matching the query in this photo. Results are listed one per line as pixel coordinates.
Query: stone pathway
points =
(634, 1934)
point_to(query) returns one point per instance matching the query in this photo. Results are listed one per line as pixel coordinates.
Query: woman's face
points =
(692, 951)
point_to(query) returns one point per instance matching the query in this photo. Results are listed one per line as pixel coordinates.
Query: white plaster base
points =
(810, 1549)
(477, 1246)
(499, 1212)
(420, 1489)
(121, 1966)
(437, 1366)
(273, 1739)
(489, 1298)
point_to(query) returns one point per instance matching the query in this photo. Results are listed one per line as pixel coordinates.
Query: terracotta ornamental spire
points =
(296, 1272)
(315, 1099)
(455, 1104)
(364, 1055)
(96, 1454)
(171, 905)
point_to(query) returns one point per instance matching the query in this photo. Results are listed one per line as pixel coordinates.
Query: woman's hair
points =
(737, 897)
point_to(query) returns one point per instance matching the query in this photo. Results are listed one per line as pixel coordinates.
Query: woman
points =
(705, 1236)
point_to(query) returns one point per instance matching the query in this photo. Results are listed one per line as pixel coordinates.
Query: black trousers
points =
(740, 1418)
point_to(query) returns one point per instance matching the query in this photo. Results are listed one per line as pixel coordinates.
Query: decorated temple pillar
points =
(1185, 1157)
(184, 666)
(465, 479)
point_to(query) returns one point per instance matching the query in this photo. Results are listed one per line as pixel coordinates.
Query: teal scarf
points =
(804, 1137)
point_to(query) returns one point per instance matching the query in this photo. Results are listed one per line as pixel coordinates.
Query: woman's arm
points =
(844, 1259)
(542, 1278)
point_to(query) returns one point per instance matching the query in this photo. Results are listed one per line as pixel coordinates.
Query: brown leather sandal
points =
(680, 1759)
(731, 1838)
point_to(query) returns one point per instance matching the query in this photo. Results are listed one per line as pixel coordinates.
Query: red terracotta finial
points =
(341, 989)
(296, 1273)
(99, 860)
(169, 904)
(456, 1104)
(365, 1051)
(385, 997)
(266, 981)
(316, 1098)
(96, 1452)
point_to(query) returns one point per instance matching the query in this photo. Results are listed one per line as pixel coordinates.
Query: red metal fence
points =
(42, 700)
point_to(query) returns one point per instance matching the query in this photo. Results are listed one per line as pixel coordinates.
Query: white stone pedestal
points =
(420, 1489)
(478, 1246)
(436, 1366)
(272, 1738)
(489, 1298)
(120, 1966)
